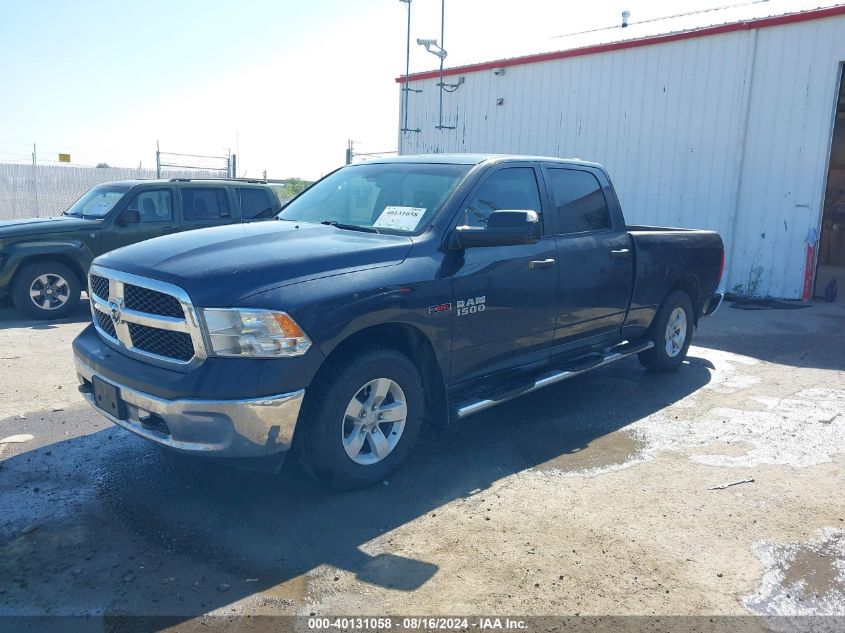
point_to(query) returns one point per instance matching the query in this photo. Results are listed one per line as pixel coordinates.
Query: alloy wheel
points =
(49, 291)
(676, 332)
(374, 421)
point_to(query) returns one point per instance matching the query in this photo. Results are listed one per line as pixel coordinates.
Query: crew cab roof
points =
(477, 159)
(165, 181)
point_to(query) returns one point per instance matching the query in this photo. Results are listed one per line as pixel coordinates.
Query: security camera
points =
(432, 44)
(498, 71)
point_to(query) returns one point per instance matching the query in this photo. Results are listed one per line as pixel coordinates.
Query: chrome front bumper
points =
(258, 427)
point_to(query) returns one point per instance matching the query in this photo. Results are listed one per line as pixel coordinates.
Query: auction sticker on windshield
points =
(402, 218)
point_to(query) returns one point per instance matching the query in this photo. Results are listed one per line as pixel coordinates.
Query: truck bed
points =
(665, 253)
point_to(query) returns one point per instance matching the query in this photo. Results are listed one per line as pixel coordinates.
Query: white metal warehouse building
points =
(721, 120)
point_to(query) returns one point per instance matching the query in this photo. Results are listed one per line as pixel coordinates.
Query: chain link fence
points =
(33, 191)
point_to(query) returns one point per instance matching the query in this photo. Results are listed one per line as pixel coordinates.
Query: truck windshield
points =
(387, 197)
(97, 202)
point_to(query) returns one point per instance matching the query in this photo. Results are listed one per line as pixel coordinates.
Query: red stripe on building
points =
(759, 23)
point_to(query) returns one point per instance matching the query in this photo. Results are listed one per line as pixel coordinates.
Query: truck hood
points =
(221, 266)
(43, 226)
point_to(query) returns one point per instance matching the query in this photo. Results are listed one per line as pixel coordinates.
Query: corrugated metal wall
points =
(728, 132)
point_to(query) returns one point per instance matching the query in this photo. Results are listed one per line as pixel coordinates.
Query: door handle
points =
(169, 229)
(541, 263)
(621, 252)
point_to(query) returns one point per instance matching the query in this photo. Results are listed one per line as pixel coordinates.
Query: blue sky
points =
(284, 82)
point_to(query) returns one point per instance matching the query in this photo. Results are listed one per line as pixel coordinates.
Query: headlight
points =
(254, 333)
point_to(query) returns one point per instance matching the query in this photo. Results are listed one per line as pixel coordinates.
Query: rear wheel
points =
(361, 419)
(671, 333)
(46, 290)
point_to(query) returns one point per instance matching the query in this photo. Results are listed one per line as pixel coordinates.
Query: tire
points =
(670, 350)
(326, 434)
(59, 287)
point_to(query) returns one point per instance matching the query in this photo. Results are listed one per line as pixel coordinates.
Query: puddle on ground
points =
(598, 454)
(813, 573)
(802, 578)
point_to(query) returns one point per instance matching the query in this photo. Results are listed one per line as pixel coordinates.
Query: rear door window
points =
(255, 203)
(204, 204)
(579, 202)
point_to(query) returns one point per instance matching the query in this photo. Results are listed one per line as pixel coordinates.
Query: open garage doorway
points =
(831, 261)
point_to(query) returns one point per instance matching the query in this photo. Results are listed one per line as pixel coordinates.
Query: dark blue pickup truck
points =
(389, 293)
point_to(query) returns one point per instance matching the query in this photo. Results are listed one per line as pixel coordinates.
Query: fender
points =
(381, 318)
(651, 293)
(430, 341)
(396, 300)
(73, 251)
(332, 309)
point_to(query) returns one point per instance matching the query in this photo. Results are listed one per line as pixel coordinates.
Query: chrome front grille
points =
(104, 322)
(144, 317)
(162, 342)
(152, 302)
(100, 286)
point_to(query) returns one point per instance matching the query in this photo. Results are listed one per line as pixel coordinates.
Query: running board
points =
(469, 407)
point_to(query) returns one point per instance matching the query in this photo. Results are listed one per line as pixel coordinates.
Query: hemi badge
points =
(443, 307)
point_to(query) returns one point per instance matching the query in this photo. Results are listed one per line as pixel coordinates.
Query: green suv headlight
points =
(254, 333)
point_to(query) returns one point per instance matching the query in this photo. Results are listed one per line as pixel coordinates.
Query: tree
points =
(103, 166)
(292, 187)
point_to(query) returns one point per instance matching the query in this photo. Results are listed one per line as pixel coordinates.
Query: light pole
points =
(437, 49)
(406, 86)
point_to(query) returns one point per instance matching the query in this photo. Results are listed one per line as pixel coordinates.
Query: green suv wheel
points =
(46, 290)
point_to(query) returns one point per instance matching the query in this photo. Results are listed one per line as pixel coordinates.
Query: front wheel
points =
(671, 333)
(46, 290)
(361, 419)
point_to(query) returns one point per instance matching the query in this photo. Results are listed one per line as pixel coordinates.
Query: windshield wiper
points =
(72, 214)
(350, 227)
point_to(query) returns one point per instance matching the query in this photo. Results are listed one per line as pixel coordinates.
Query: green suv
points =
(44, 262)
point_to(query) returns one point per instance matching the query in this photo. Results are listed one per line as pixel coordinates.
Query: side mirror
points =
(128, 216)
(504, 228)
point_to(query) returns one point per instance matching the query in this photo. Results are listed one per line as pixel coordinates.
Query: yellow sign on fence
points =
(64, 158)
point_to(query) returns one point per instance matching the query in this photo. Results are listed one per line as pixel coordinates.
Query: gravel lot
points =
(591, 497)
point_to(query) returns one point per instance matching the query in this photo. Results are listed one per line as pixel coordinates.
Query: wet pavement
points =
(802, 578)
(97, 521)
(171, 514)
